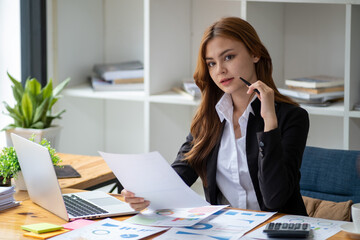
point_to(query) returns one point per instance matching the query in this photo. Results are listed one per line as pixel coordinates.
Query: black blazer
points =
(274, 160)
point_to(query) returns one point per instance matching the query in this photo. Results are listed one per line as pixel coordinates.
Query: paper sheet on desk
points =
(150, 176)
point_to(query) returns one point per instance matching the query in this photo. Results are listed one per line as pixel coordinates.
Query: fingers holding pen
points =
(262, 90)
(267, 98)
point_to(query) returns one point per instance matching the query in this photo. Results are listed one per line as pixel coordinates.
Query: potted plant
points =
(32, 113)
(10, 167)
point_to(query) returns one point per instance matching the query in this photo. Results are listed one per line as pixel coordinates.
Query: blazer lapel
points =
(255, 124)
(211, 167)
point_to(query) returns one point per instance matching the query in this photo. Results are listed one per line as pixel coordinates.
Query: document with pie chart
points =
(110, 229)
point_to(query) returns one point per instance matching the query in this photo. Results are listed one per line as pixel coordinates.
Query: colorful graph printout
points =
(176, 217)
(320, 228)
(223, 225)
(179, 234)
(110, 229)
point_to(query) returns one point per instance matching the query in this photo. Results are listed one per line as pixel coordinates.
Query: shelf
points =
(336, 109)
(85, 91)
(172, 97)
(303, 37)
(310, 1)
(354, 114)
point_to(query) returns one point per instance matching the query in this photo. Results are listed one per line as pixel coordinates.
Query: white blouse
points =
(232, 175)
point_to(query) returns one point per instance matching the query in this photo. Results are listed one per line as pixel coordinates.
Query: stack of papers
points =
(173, 204)
(7, 198)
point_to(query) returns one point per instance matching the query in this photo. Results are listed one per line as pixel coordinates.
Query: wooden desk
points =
(29, 213)
(93, 170)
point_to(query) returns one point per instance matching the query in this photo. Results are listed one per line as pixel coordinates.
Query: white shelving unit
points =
(303, 37)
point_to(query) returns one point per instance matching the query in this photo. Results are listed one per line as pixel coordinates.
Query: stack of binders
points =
(7, 198)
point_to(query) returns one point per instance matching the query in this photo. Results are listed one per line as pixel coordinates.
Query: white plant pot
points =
(52, 134)
(19, 182)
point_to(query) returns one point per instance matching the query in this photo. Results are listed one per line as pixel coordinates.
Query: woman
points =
(246, 142)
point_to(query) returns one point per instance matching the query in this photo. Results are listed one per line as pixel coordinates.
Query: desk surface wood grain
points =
(93, 171)
(30, 213)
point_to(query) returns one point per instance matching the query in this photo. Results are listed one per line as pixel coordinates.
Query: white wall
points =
(10, 55)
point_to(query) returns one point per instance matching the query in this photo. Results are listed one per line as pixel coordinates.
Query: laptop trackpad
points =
(106, 201)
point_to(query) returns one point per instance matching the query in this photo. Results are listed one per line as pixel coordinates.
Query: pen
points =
(247, 83)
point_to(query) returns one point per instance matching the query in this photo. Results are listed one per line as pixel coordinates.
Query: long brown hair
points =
(206, 126)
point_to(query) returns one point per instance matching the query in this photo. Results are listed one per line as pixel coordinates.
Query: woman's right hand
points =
(137, 203)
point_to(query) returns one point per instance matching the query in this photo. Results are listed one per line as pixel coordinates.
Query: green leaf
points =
(16, 83)
(37, 125)
(10, 109)
(50, 118)
(47, 90)
(27, 108)
(17, 94)
(58, 115)
(53, 101)
(60, 87)
(40, 111)
(35, 99)
(13, 112)
(17, 110)
(33, 86)
(15, 117)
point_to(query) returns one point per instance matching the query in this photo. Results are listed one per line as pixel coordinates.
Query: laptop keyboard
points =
(77, 206)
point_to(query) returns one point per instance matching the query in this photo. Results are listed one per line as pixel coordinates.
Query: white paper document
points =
(226, 224)
(7, 190)
(150, 176)
(175, 217)
(109, 229)
(180, 234)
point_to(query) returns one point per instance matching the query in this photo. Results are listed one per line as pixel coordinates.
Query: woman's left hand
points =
(266, 97)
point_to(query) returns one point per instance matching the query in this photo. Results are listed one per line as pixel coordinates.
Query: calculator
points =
(287, 230)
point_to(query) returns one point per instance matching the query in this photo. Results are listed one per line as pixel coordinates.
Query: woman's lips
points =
(226, 81)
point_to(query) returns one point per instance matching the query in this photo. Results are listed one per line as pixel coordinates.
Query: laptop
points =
(44, 190)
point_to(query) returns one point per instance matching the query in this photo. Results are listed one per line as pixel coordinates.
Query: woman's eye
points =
(229, 57)
(211, 64)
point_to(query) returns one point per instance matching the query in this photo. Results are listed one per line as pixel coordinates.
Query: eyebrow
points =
(221, 54)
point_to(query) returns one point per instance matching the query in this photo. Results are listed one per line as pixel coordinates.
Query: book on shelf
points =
(7, 198)
(315, 103)
(117, 71)
(121, 80)
(357, 106)
(127, 80)
(190, 87)
(303, 97)
(99, 84)
(183, 92)
(317, 90)
(319, 81)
